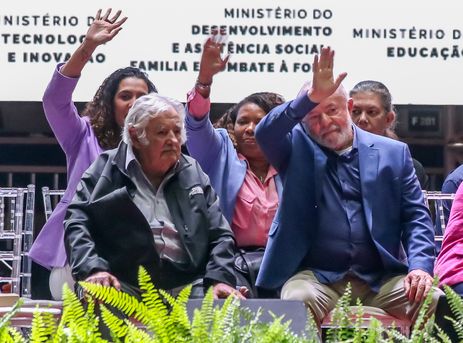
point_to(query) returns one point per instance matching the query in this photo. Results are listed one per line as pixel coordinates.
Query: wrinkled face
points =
(129, 90)
(164, 140)
(249, 115)
(369, 114)
(329, 123)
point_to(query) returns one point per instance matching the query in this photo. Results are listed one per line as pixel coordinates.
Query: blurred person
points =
(373, 111)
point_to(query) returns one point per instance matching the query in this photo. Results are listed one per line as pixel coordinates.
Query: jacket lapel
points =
(368, 165)
(319, 170)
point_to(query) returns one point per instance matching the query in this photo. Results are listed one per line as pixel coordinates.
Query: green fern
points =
(81, 325)
(341, 325)
(136, 335)
(43, 327)
(179, 315)
(456, 305)
(252, 319)
(15, 336)
(202, 319)
(226, 321)
(6, 320)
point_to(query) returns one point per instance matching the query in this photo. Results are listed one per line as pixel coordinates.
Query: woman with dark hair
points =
(84, 137)
(247, 185)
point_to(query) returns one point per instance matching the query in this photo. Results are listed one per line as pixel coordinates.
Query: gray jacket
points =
(105, 230)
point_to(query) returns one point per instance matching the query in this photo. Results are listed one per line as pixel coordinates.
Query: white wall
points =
(161, 32)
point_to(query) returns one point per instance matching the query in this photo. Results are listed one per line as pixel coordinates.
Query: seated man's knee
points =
(299, 290)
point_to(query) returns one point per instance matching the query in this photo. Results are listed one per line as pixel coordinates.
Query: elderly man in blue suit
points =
(351, 206)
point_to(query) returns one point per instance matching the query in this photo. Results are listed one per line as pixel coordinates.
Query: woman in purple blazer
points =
(84, 137)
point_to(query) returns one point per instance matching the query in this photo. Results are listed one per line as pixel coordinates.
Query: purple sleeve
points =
(61, 112)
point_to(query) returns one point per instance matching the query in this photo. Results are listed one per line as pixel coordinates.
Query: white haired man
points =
(145, 203)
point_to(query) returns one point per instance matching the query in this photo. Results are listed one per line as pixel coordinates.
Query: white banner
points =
(414, 47)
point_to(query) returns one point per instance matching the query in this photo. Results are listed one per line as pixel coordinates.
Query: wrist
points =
(204, 81)
(88, 46)
(203, 88)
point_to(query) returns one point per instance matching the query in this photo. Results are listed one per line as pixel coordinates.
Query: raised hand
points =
(323, 83)
(103, 28)
(211, 58)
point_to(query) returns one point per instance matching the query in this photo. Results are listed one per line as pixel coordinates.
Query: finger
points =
(98, 14)
(105, 16)
(324, 57)
(115, 283)
(315, 63)
(407, 286)
(339, 79)
(420, 288)
(224, 62)
(238, 295)
(223, 39)
(106, 282)
(119, 23)
(244, 291)
(413, 289)
(427, 288)
(215, 38)
(331, 59)
(214, 30)
(114, 32)
(114, 18)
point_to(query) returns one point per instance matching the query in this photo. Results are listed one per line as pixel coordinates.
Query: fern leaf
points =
(202, 319)
(16, 336)
(43, 327)
(225, 321)
(6, 319)
(135, 335)
(116, 325)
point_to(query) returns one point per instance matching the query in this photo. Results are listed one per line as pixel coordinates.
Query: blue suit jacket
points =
(392, 199)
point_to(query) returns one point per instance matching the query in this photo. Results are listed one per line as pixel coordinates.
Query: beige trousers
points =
(321, 298)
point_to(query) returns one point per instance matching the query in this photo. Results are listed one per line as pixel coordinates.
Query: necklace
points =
(261, 178)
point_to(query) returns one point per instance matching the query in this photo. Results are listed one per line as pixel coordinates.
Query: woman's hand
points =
(103, 28)
(211, 58)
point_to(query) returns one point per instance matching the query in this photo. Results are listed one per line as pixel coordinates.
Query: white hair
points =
(146, 108)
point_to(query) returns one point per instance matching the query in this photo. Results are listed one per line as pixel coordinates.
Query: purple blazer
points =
(79, 143)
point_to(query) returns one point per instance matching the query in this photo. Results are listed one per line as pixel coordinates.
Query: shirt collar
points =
(130, 157)
(272, 172)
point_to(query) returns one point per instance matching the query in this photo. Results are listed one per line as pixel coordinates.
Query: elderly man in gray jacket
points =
(146, 204)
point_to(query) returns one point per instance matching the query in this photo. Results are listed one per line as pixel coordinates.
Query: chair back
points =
(437, 202)
(50, 197)
(16, 235)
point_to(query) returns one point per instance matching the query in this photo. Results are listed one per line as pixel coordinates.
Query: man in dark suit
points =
(351, 207)
(146, 204)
